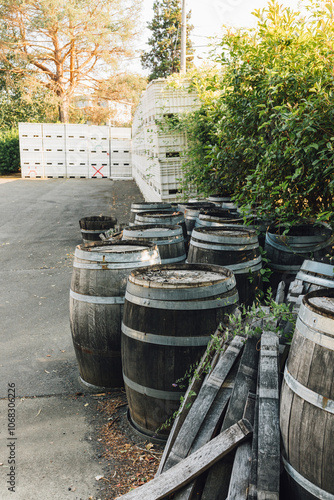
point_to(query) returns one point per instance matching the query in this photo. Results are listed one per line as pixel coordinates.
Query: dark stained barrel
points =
(99, 277)
(169, 240)
(167, 218)
(191, 211)
(148, 206)
(223, 202)
(92, 227)
(218, 217)
(307, 400)
(170, 313)
(287, 249)
(236, 248)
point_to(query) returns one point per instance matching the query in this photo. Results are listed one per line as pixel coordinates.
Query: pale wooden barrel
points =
(307, 400)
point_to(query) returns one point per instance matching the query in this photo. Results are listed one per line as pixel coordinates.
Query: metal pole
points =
(183, 37)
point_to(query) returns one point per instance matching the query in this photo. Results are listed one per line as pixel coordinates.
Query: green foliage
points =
(9, 151)
(163, 59)
(268, 132)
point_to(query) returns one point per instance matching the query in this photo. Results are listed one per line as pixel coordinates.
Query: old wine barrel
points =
(100, 272)
(92, 227)
(307, 400)
(236, 248)
(170, 313)
(218, 217)
(223, 201)
(147, 206)
(287, 252)
(169, 240)
(167, 218)
(191, 211)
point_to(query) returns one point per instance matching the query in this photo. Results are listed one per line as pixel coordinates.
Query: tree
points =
(164, 57)
(66, 45)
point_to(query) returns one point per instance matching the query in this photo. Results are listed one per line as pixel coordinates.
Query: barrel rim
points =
(324, 292)
(277, 229)
(226, 273)
(215, 229)
(89, 247)
(174, 230)
(156, 213)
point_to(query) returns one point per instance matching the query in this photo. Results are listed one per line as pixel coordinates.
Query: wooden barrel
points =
(169, 240)
(223, 202)
(99, 276)
(168, 218)
(236, 248)
(218, 217)
(170, 313)
(287, 252)
(148, 206)
(307, 400)
(92, 227)
(191, 211)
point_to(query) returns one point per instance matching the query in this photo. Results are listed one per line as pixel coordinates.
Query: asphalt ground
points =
(48, 442)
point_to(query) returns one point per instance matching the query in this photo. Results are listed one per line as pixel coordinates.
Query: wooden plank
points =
(252, 489)
(239, 483)
(280, 293)
(198, 462)
(194, 387)
(218, 480)
(209, 429)
(268, 471)
(203, 402)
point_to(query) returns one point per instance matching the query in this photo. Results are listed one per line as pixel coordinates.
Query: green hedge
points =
(9, 151)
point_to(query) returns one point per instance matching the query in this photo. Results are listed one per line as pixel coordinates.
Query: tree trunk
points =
(63, 109)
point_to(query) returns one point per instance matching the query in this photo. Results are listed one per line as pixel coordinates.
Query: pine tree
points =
(164, 57)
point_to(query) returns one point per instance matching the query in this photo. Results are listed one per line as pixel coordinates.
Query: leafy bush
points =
(9, 151)
(269, 134)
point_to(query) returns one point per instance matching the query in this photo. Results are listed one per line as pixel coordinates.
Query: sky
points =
(208, 16)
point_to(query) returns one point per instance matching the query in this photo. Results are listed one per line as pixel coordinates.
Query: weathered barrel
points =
(191, 211)
(92, 227)
(316, 273)
(168, 218)
(148, 206)
(218, 217)
(236, 248)
(170, 313)
(307, 400)
(169, 240)
(223, 201)
(288, 248)
(99, 276)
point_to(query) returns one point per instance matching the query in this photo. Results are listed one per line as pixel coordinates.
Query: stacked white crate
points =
(54, 151)
(75, 150)
(98, 141)
(157, 155)
(77, 146)
(31, 150)
(120, 151)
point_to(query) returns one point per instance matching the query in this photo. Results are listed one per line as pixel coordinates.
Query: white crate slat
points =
(53, 130)
(31, 130)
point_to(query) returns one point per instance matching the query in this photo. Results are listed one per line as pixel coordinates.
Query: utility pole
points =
(183, 38)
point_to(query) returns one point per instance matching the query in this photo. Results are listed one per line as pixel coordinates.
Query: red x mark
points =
(98, 171)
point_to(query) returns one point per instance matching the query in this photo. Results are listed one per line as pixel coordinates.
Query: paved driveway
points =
(48, 430)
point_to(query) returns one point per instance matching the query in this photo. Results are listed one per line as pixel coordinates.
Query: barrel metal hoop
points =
(93, 231)
(105, 257)
(316, 323)
(284, 268)
(227, 248)
(153, 393)
(245, 267)
(92, 299)
(307, 394)
(316, 280)
(180, 258)
(306, 484)
(151, 338)
(106, 266)
(297, 248)
(183, 305)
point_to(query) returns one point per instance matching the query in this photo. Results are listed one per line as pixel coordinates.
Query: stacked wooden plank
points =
(225, 441)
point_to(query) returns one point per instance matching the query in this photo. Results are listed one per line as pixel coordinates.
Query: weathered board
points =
(198, 462)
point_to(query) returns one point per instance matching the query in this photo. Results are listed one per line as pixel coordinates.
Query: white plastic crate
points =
(31, 145)
(54, 144)
(53, 130)
(120, 132)
(31, 130)
(98, 170)
(75, 131)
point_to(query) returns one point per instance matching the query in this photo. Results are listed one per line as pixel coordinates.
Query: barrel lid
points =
(120, 248)
(321, 302)
(223, 231)
(148, 230)
(181, 275)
